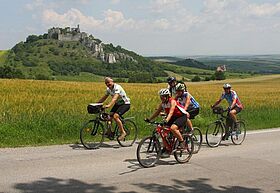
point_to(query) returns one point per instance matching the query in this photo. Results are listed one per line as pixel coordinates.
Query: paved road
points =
(252, 167)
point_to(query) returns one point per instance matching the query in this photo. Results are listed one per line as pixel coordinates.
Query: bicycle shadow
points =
(135, 166)
(107, 144)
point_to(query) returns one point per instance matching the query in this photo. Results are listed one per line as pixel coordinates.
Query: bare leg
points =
(120, 125)
(176, 132)
(189, 124)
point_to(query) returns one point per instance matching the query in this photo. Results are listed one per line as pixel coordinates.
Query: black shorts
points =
(193, 112)
(237, 109)
(179, 121)
(120, 109)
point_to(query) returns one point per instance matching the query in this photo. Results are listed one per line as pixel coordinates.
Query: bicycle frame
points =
(165, 133)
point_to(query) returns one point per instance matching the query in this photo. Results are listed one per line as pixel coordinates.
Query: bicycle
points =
(217, 129)
(196, 135)
(149, 149)
(92, 133)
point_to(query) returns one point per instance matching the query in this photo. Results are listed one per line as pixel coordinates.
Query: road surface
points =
(252, 167)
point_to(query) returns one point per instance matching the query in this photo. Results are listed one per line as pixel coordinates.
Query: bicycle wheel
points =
(183, 156)
(92, 134)
(131, 133)
(197, 139)
(214, 134)
(148, 151)
(238, 136)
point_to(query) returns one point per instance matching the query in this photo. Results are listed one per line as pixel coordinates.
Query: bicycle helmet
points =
(171, 79)
(164, 92)
(227, 85)
(180, 86)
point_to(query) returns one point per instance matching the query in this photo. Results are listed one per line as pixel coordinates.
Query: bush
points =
(196, 79)
(10, 72)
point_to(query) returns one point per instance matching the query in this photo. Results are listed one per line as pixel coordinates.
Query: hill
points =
(261, 64)
(65, 53)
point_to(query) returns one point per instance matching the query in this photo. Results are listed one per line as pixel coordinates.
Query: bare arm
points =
(113, 101)
(188, 100)
(233, 104)
(216, 103)
(103, 99)
(156, 113)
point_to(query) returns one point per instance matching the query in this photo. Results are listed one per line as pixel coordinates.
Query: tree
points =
(219, 75)
(10, 72)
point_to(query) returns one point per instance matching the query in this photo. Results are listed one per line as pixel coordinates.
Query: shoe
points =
(181, 145)
(122, 137)
(164, 154)
(225, 137)
(110, 135)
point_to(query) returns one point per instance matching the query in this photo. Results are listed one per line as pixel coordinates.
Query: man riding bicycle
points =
(235, 105)
(188, 102)
(120, 103)
(176, 115)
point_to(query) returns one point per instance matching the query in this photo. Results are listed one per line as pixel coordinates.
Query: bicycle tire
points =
(148, 151)
(184, 156)
(131, 133)
(238, 136)
(197, 139)
(214, 134)
(92, 134)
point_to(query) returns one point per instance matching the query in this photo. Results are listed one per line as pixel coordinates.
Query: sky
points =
(153, 27)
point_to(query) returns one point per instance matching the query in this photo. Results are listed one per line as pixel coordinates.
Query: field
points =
(52, 112)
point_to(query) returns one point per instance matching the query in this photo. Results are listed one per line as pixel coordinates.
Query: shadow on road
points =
(103, 145)
(53, 185)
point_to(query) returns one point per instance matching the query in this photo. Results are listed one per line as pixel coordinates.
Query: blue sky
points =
(153, 27)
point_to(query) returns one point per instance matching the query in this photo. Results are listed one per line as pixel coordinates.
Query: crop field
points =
(52, 112)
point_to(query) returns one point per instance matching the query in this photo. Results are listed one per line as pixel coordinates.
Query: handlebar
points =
(154, 122)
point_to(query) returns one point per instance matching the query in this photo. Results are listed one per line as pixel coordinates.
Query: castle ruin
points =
(94, 45)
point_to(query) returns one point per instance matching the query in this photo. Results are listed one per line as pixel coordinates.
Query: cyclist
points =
(172, 82)
(235, 105)
(176, 115)
(172, 85)
(188, 102)
(120, 103)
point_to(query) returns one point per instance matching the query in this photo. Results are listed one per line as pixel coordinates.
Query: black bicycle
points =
(92, 134)
(224, 127)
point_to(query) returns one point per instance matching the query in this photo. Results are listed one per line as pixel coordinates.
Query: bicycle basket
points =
(218, 110)
(94, 108)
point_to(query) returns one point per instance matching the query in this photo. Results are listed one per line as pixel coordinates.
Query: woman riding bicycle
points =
(176, 115)
(188, 102)
(121, 104)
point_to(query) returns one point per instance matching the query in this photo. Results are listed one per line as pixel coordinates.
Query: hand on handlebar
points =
(164, 122)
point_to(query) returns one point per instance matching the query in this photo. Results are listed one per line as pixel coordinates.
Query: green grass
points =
(52, 112)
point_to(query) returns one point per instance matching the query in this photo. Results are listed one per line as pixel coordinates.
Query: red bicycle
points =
(150, 148)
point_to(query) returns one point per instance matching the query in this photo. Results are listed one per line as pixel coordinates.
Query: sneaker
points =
(122, 137)
(164, 154)
(110, 135)
(181, 145)
(225, 137)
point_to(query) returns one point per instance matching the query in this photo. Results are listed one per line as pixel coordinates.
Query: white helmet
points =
(164, 91)
(227, 85)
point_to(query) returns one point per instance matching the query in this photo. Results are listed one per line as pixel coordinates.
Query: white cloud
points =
(265, 9)
(160, 6)
(113, 20)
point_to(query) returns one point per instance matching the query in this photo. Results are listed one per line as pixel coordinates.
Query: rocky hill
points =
(69, 52)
